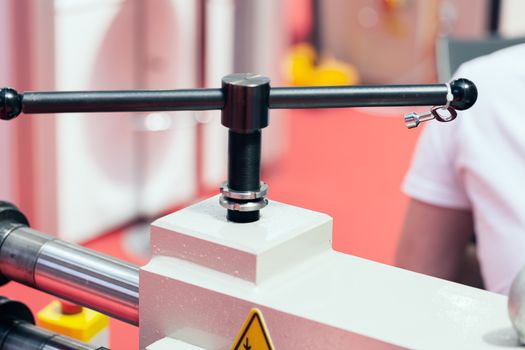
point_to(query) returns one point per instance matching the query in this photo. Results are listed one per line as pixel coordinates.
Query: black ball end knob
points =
(465, 94)
(10, 213)
(10, 103)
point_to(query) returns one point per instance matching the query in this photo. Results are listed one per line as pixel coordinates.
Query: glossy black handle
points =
(464, 96)
(13, 103)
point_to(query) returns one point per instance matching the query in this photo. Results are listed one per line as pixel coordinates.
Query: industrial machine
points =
(263, 259)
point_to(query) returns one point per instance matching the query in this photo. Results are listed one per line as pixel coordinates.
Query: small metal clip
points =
(412, 120)
(442, 118)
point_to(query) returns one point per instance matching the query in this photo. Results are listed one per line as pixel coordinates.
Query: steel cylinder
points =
(246, 102)
(26, 336)
(89, 278)
(72, 272)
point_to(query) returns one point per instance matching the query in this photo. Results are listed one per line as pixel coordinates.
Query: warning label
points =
(253, 334)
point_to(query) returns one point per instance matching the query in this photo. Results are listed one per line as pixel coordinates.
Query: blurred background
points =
(99, 179)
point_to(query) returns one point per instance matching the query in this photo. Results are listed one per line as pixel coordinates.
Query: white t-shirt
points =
(477, 162)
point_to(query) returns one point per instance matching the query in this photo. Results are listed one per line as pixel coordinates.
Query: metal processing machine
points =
(215, 262)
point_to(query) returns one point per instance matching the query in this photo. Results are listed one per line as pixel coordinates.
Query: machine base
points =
(206, 275)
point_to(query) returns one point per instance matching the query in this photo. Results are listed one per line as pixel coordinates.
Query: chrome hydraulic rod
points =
(66, 270)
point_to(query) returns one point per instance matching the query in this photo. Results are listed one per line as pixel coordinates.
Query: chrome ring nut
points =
(244, 195)
(229, 204)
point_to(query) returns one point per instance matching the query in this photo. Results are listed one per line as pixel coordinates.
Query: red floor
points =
(347, 163)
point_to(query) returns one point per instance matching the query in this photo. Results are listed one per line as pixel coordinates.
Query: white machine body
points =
(206, 274)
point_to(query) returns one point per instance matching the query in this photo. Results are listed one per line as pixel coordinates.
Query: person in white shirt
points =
(468, 176)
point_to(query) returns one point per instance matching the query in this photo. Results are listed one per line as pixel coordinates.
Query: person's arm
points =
(434, 240)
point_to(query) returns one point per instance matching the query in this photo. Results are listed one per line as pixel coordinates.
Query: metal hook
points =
(412, 120)
(441, 118)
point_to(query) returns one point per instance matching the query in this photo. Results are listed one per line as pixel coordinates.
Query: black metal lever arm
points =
(13, 103)
(464, 94)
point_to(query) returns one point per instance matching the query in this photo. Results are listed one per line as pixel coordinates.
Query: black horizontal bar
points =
(208, 99)
(12, 103)
(358, 96)
(122, 101)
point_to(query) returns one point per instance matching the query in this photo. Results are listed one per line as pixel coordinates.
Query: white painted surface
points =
(169, 165)
(167, 159)
(172, 344)
(264, 252)
(112, 167)
(219, 62)
(327, 300)
(511, 18)
(95, 169)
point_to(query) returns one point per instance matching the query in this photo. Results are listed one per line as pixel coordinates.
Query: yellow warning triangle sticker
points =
(253, 334)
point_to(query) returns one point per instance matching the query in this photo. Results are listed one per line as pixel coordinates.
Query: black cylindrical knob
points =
(244, 169)
(10, 103)
(10, 219)
(14, 310)
(11, 312)
(244, 161)
(10, 213)
(246, 102)
(465, 94)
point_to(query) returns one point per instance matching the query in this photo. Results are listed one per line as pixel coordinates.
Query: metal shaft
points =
(122, 101)
(209, 99)
(244, 170)
(13, 103)
(71, 272)
(358, 96)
